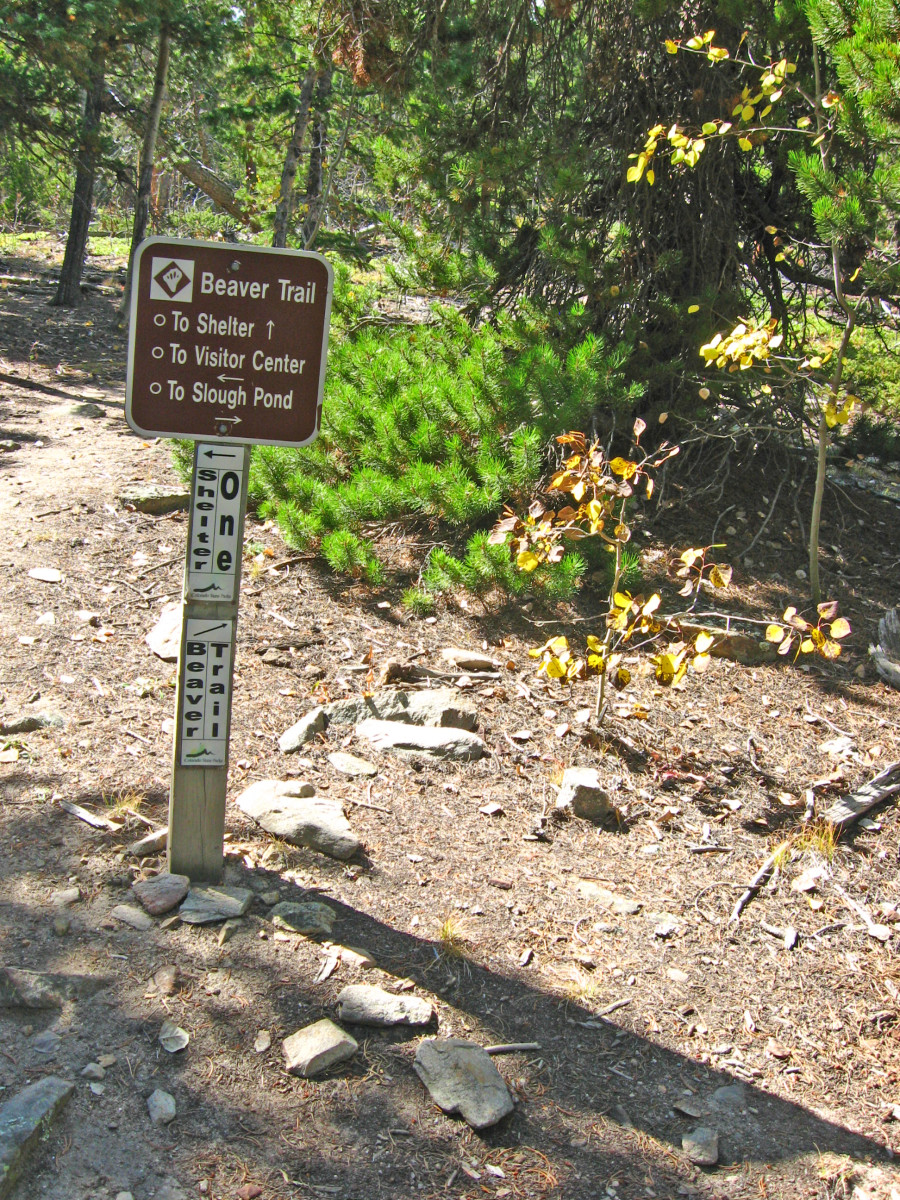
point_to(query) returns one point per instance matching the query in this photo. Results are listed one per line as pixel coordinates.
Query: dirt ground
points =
(643, 1003)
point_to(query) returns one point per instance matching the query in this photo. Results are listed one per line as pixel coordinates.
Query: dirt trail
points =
(610, 947)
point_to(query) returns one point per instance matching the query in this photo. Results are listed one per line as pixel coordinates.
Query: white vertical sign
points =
(214, 548)
(206, 692)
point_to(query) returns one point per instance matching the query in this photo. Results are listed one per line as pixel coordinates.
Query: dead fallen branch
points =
(761, 877)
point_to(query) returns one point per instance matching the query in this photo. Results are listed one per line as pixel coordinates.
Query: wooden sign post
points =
(227, 347)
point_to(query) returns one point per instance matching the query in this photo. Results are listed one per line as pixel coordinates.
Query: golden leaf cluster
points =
(809, 638)
(747, 344)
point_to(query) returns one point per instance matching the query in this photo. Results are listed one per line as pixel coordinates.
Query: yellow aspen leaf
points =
(578, 491)
(700, 662)
(527, 561)
(724, 127)
(662, 418)
(664, 668)
(774, 633)
(652, 605)
(671, 47)
(748, 112)
(651, 177)
(704, 393)
(855, 275)
(720, 576)
(804, 123)
(708, 36)
(818, 141)
(694, 43)
(554, 669)
(692, 308)
(594, 643)
(840, 628)
(621, 677)
(717, 53)
(785, 646)
(807, 646)
(709, 128)
(830, 650)
(649, 488)
(622, 600)
(745, 143)
(703, 642)
(623, 467)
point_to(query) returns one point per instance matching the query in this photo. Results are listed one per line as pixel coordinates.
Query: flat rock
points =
(161, 893)
(363, 1004)
(46, 1043)
(292, 811)
(130, 914)
(312, 1050)
(309, 917)
(166, 979)
(20, 988)
(623, 905)
(93, 1070)
(581, 794)
(170, 1189)
(437, 706)
(154, 498)
(458, 745)
(305, 730)
(31, 722)
(463, 1079)
(214, 903)
(164, 639)
(349, 764)
(468, 660)
(25, 1121)
(150, 843)
(701, 1146)
(65, 897)
(161, 1107)
(732, 1095)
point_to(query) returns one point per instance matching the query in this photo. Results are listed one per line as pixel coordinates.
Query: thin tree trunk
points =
(289, 172)
(148, 157)
(317, 155)
(68, 293)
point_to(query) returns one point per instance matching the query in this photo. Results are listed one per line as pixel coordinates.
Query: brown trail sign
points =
(227, 347)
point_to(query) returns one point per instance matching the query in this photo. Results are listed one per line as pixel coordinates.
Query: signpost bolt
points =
(222, 429)
(235, 266)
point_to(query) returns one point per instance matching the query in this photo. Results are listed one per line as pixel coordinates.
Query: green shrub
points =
(348, 554)
(418, 601)
(485, 568)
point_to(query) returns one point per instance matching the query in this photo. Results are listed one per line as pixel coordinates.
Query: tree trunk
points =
(148, 156)
(289, 172)
(68, 293)
(317, 155)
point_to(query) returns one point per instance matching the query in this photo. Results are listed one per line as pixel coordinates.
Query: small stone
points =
(349, 764)
(62, 925)
(622, 905)
(689, 1108)
(462, 1078)
(93, 1071)
(46, 574)
(170, 922)
(270, 898)
(106, 1061)
(170, 1189)
(31, 722)
(701, 1146)
(309, 917)
(677, 975)
(291, 810)
(161, 1107)
(228, 930)
(214, 903)
(314, 671)
(363, 1004)
(305, 730)
(46, 1043)
(135, 917)
(581, 794)
(124, 1196)
(151, 843)
(468, 660)
(351, 956)
(162, 893)
(435, 706)
(38, 990)
(164, 639)
(165, 979)
(66, 897)
(312, 1050)
(732, 1095)
(25, 1122)
(263, 1041)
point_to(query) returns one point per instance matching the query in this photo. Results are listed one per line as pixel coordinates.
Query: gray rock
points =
(34, 989)
(161, 1107)
(65, 897)
(129, 914)
(214, 903)
(161, 893)
(312, 1050)
(154, 498)
(349, 764)
(93, 1071)
(31, 722)
(733, 1095)
(151, 843)
(62, 925)
(269, 898)
(164, 639)
(46, 1044)
(582, 794)
(363, 1004)
(305, 730)
(701, 1146)
(87, 410)
(228, 930)
(24, 1121)
(291, 810)
(170, 1189)
(624, 906)
(468, 660)
(166, 979)
(458, 745)
(462, 1078)
(439, 706)
(309, 917)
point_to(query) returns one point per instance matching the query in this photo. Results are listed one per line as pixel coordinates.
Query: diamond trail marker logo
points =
(172, 279)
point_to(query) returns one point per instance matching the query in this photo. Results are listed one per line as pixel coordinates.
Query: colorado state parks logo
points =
(172, 279)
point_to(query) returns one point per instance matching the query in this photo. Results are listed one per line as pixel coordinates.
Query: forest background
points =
(543, 217)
